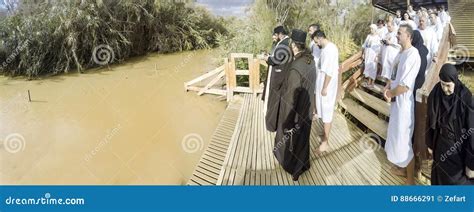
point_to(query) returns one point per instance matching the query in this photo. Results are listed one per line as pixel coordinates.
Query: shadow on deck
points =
(240, 153)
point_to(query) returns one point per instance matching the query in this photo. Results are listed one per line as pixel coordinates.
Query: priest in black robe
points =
(450, 136)
(294, 117)
(281, 55)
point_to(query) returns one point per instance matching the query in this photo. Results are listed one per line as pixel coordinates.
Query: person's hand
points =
(469, 173)
(430, 153)
(387, 95)
(324, 92)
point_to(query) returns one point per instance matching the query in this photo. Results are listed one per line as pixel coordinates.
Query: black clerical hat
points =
(298, 36)
(279, 29)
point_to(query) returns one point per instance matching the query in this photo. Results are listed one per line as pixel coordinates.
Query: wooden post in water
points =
(29, 96)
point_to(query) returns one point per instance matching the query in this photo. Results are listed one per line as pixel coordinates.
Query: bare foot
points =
(324, 147)
(398, 171)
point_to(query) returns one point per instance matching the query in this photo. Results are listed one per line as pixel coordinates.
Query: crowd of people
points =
(302, 85)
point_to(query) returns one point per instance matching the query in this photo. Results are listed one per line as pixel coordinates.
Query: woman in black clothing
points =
(450, 136)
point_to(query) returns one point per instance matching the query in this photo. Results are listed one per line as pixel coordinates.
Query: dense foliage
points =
(61, 36)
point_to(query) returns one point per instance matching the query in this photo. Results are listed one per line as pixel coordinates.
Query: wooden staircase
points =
(364, 104)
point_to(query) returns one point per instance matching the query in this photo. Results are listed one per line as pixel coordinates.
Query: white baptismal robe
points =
(389, 53)
(431, 42)
(371, 50)
(402, 115)
(328, 65)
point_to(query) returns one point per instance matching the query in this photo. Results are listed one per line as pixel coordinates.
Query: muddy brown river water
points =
(130, 124)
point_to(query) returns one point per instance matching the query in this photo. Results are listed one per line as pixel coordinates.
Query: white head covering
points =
(373, 28)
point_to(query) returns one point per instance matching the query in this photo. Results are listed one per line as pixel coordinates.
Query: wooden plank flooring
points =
(353, 159)
(209, 166)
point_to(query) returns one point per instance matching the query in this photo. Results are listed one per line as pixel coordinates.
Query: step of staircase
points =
(372, 101)
(366, 117)
(377, 89)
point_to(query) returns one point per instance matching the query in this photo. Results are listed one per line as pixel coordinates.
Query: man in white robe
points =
(326, 85)
(391, 48)
(430, 40)
(436, 25)
(402, 115)
(411, 12)
(398, 18)
(443, 16)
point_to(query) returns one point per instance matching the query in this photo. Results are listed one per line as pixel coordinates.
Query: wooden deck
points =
(240, 153)
(209, 166)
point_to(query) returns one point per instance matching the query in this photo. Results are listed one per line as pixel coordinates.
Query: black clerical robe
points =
(294, 117)
(277, 62)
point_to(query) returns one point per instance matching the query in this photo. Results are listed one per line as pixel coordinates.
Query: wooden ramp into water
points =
(240, 153)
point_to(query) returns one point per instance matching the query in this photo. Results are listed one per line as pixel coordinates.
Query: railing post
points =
(251, 74)
(230, 78)
(256, 64)
(254, 75)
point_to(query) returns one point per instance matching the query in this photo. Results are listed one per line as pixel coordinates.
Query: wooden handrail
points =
(350, 63)
(432, 77)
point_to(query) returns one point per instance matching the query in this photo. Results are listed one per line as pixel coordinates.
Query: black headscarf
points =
(444, 109)
(417, 42)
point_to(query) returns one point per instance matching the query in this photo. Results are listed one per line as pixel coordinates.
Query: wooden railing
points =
(230, 72)
(352, 62)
